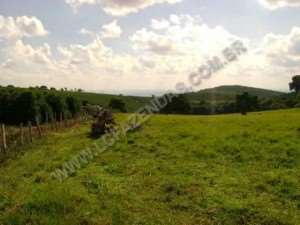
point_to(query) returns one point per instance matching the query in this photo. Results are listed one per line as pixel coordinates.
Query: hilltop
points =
(218, 94)
(229, 92)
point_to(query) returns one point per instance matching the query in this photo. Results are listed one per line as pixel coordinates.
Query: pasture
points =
(175, 170)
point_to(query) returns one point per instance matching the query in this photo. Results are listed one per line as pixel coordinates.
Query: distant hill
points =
(217, 94)
(236, 89)
(132, 102)
(228, 93)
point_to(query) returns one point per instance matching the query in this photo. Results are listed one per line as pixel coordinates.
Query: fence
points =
(12, 138)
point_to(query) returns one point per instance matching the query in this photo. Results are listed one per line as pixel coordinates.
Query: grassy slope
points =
(132, 103)
(177, 170)
(228, 93)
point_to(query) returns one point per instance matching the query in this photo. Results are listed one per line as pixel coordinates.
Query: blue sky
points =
(124, 56)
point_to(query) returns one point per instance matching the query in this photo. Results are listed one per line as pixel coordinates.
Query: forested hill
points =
(228, 93)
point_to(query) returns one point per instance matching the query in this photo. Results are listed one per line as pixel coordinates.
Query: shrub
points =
(117, 104)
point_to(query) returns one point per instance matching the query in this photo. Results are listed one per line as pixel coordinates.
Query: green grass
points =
(230, 170)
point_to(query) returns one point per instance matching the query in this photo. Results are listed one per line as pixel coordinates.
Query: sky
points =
(144, 47)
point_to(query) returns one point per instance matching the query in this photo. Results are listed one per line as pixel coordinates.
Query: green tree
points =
(26, 108)
(295, 84)
(246, 103)
(46, 113)
(117, 104)
(58, 105)
(44, 87)
(73, 105)
(178, 105)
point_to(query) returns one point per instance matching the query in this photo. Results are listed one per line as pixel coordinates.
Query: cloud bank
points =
(119, 7)
(163, 52)
(276, 4)
(19, 27)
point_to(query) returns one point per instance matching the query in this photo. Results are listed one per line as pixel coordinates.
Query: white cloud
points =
(111, 30)
(164, 52)
(153, 42)
(271, 64)
(181, 34)
(180, 46)
(276, 4)
(26, 52)
(119, 7)
(96, 58)
(76, 4)
(188, 43)
(7, 64)
(90, 66)
(19, 27)
(108, 31)
(160, 24)
(283, 50)
(92, 54)
(22, 57)
(85, 31)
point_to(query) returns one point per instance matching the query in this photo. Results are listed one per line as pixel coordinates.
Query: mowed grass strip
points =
(229, 169)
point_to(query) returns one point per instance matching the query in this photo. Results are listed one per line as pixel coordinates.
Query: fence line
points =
(11, 138)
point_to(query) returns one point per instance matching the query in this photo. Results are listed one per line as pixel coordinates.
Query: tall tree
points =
(58, 105)
(26, 108)
(295, 84)
(73, 105)
(246, 103)
(178, 105)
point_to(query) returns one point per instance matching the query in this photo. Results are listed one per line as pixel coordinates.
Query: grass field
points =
(176, 170)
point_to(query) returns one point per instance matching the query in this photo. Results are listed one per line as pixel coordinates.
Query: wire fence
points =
(14, 137)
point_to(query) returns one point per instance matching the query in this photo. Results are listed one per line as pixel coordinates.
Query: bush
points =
(117, 104)
(178, 105)
(297, 105)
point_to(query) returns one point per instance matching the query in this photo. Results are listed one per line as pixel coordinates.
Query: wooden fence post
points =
(55, 122)
(30, 131)
(46, 121)
(21, 134)
(56, 125)
(66, 120)
(61, 120)
(3, 132)
(38, 127)
(51, 124)
(46, 118)
(66, 123)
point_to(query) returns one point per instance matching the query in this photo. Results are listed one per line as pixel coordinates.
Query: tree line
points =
(20, 105)
(243, 103)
